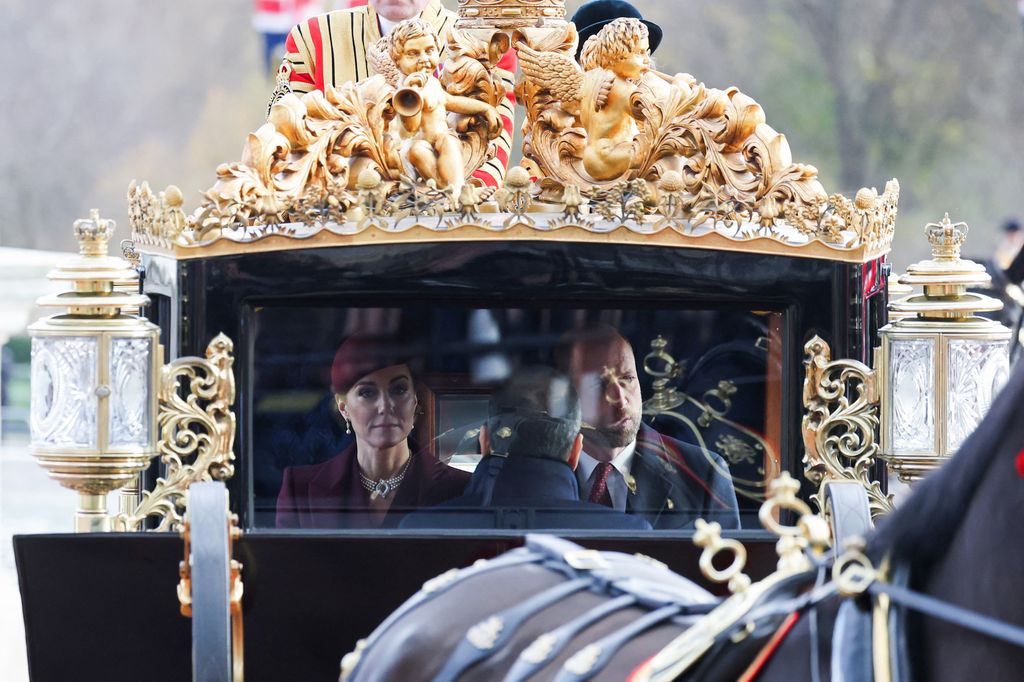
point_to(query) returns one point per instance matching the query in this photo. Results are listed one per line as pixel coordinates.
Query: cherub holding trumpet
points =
(428, 144)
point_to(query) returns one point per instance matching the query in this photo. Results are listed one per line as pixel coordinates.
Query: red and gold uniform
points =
(331, 49)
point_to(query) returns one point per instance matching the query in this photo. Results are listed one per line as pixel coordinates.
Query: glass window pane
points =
(392, 417)
(64, 402)
(913, 414)
(130, 361)
(977, 370)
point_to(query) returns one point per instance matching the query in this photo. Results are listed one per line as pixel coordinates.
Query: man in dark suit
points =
(627, 465)
(525, 480)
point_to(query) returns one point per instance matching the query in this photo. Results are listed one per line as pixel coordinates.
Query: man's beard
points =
(616, 436)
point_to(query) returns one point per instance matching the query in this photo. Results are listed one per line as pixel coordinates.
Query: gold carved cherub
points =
(614, 62)
(408, 58)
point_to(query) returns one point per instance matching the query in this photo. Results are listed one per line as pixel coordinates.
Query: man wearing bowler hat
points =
(593, 16)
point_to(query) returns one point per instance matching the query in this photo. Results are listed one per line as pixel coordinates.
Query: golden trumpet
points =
(408, 101)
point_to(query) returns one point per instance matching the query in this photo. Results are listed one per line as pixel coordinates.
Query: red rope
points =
(769, 649)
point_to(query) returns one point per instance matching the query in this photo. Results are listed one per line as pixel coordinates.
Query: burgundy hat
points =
(363, 354)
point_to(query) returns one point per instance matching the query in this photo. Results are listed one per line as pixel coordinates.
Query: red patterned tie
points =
(600, 493)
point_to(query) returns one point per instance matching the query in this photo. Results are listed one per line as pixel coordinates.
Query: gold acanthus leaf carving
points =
(620, 120)
(870, 215)
(839, 432)
(326, 139)
(198, 425)
(155, 219)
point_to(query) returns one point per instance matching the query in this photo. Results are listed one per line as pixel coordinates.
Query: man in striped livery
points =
(331, 49)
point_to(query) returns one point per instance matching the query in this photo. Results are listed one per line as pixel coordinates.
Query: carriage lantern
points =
(93, 417)
(942, 364)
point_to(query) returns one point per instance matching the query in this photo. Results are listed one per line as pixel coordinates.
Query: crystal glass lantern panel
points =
(913, 395)
(64, 402)
(977, 370)
(130, 418)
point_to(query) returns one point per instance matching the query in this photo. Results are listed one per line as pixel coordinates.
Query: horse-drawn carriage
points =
(751, 299)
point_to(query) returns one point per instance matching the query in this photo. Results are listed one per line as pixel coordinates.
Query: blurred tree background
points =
(928, 91)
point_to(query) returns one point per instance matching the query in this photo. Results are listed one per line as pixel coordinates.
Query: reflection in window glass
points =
(446, 417)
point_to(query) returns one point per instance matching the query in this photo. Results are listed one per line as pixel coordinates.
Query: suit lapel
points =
(664, 479)
(653, 487)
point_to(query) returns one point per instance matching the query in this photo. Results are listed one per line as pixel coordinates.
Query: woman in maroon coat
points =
(379, 478)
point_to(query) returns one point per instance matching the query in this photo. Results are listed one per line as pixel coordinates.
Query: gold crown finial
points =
(93, 234)
(946, 238)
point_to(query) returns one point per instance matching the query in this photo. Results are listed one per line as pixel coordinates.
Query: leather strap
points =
(546, 648)
(493, 633)
(591, 659)
(850, 512)
(515, 557)
(957, 615)
(851, 644)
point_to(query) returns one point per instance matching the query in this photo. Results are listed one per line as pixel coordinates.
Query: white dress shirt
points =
(385, 25)
(586, 473)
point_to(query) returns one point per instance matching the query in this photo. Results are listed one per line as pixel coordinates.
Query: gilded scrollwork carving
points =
(510, 13)
(623, 201)
(610, 145)
(402, 122)
(515, 197)
(197, 433)
(572, 202)
(615, 119)
(155, 219)
(840, 423)
(870, 215)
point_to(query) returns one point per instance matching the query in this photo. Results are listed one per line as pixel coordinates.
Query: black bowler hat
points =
(593, 16)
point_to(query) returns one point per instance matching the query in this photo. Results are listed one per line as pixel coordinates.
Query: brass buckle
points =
(853, 573)
(585, 560)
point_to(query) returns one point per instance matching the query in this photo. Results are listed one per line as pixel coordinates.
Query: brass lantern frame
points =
(188, 402)
(943, 314)
(911, 465)
(105, 331)
(102, 289)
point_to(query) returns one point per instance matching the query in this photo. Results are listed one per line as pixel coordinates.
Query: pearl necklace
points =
(385, 486)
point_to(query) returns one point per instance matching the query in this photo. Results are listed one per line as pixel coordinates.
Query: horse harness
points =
(729, 639)
(872, 643)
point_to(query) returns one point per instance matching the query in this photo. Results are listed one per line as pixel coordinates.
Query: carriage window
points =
(559, 419)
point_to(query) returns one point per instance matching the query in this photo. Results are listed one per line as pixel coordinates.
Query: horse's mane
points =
(922, 530)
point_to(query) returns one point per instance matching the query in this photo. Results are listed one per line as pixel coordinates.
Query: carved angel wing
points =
(553, 71)
(380, 60)
(604, 89)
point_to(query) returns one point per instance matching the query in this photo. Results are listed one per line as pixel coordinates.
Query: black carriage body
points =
(309, 595)
(195, 299)
(206, 296)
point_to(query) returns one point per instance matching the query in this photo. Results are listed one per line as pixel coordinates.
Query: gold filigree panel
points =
(197, 433)
(840, 424)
